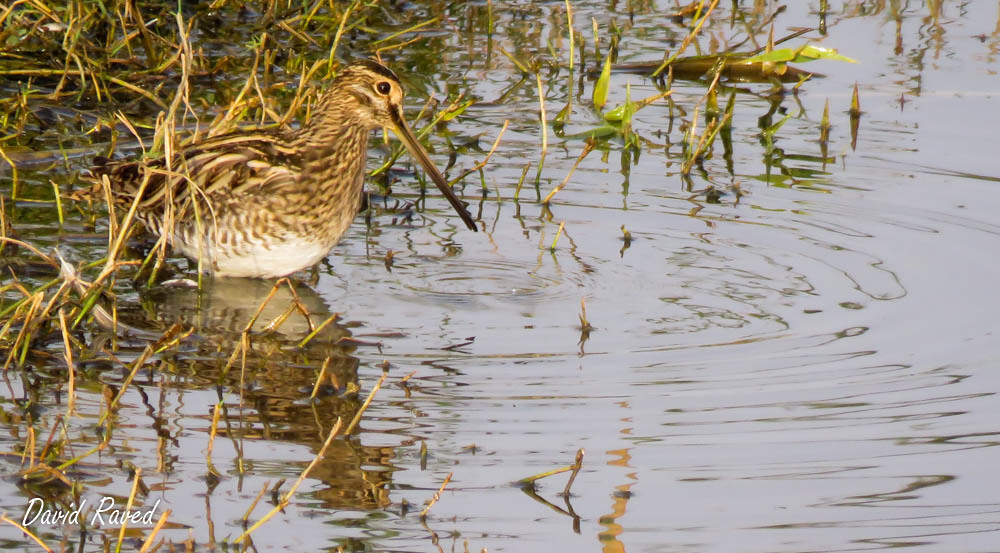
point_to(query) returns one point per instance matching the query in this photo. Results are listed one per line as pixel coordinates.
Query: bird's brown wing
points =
(228, 166)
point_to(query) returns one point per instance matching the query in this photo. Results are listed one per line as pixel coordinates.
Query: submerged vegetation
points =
(88, 315)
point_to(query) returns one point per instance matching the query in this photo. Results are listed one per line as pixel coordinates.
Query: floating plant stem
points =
(213, 430)
(29, 448)
(144, 93)
(489, 17)
(260, 308)
(437, 496)
(520, 182)
(687, 40)
(597, 39)
(113, 403)
(27, 532)
(569, 25)
(340, 33)
(128, 508)
(253, 504)
(70, 368)
(706, 141)
(24, 332)
(320, 378)
(558, 234)
(58, 196)
(368, 401)
(318, 329)
(485, 160)
(541, 118)
(286, 499)
(156, 530)
(13, 174)
(523, 68)
(43, 456)
(408, 30)
(587, 148)
(397, 45)
(577, 464)
(529, 481)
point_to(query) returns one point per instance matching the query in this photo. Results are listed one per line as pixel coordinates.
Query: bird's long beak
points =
(402, 129)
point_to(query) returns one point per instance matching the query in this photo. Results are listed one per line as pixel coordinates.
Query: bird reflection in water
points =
(270, 377)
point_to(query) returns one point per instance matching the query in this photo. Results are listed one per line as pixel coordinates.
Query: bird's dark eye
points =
(383, 87)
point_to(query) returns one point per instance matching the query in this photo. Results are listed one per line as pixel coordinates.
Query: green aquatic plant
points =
(806, 52)
(775, 61)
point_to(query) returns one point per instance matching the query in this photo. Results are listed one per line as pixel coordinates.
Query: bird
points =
(266, 203)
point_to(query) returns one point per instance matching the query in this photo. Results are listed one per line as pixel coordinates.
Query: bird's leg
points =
(313, 279)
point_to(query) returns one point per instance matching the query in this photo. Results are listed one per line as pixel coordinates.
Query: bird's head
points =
(367, 93)
(370, 93)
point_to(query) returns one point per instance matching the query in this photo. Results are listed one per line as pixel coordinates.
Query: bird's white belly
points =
(261, 260)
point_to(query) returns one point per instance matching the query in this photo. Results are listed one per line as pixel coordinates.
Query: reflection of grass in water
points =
(49, 473)
(140, 57)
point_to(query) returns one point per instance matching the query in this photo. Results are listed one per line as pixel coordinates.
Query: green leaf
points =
(812, 52)
(768, 134)
(603, 131)
(615, 114)
(457, 111)
(806, 52)
(776, 56)
(630, 108)
(563, 116)
(624, 112)
(770, 131)
(601, 87)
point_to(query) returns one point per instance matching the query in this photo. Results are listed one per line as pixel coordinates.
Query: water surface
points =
(806, 366)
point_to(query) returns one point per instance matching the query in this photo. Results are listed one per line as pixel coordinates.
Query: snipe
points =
(260, 203)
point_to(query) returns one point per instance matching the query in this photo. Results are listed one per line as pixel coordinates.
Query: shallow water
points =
(808, 367)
